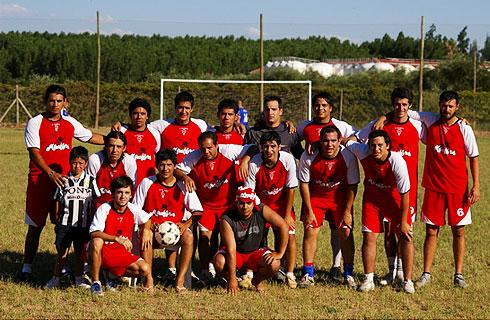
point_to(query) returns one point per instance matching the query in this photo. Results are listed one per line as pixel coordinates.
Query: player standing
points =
(328, 184)
(272, 175)
(386, 196)
(445, 179)
(227, 132)
(48, 138)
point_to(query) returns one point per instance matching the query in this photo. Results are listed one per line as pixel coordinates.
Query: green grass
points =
(439, 300)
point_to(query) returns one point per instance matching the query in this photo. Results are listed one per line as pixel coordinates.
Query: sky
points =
(353, 20)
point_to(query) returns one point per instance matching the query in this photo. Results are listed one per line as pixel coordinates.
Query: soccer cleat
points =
(291, 281)
(169, 277)
(399, 277)
(53, 283)
(424, 280)
(245, 282)
(83, 282)
(96, 289)
(336, 274)
(113, 284)
(281, 276)
(459, 281)
(306, 282)
(367, 285)
(350, 281)
(408, 286)
(387, 279)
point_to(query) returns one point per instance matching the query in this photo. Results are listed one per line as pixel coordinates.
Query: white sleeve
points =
(399, 167)
(360, 150)
(201, 124)
(130, 166)
(159, 125)
(233, 151)
(190, 161)
(157, 137)
(363, 134)
(427, 118)
(140, 215)
(100, 217)
(304, 166)
(31, 132)
(253, 168)
(290, 165)
(94, 162)
(346, 130)
(81, 133)
(352, 166)
(469, 140)
(141, 192)
(191, 200)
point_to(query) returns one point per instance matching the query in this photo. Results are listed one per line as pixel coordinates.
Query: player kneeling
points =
(111, 233)
(167, 200)
(242, 230)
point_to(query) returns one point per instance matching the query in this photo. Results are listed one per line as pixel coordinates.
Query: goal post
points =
(165, 94)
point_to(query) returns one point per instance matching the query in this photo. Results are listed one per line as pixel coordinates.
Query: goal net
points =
(296, 97)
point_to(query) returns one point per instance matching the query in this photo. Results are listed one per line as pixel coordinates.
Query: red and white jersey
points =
(104, 173)
(405, 140)
(142, 146)
(54, 141)
(107, 220)
(381, 179)
(447, 147)
(328, 178)
(180, 138)
(271, 184)
(166, 203)
(228, 138)
(309, 130)
(215, 179)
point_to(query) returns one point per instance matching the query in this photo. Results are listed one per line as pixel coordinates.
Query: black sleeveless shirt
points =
(248, 233)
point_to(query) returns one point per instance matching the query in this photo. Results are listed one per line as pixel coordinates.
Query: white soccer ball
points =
(169, 233)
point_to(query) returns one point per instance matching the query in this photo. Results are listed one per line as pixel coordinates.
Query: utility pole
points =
(97, 99)
(421, 66)
(261, 65)
(475, 66)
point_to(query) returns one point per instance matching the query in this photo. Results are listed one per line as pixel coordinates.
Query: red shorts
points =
(39, 199)
(282, 213)
(248, 261)
(331, 211)
(210, 219)
(116, 259)
(373, 214)
(435, 206)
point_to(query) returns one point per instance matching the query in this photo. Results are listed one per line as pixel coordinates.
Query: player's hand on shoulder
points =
(291, 127)
(116, 126)
(380, 123)
(189, 184)
(57, 178)
(240, 128)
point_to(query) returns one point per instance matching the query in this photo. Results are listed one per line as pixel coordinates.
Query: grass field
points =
(439, 300)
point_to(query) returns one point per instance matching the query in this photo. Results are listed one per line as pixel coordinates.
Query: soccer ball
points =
(169, 233)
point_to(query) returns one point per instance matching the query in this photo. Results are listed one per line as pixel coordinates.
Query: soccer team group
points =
(227, 186)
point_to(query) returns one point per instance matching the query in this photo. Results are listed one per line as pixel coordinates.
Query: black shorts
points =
(66, 235)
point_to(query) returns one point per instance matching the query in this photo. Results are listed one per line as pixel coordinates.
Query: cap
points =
(245, 194)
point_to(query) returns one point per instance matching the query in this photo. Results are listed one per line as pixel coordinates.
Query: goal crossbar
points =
(162, 83)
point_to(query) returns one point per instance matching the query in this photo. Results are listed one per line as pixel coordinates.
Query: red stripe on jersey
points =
(165, 203)
(270, 186)
(232, 137)
(120, 224)
(328, 178)
(181, 138)
(104, 177)
(379, 181)
(311, 133)
(141, 146)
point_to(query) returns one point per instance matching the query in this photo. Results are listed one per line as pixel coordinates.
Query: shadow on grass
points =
(11, 263)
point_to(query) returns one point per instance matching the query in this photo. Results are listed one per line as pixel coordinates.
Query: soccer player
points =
(73, 215)
(273, 110)
(210, 171)
(180, 133)
(405, 133)
(386, 196)
(272, 175)
(445, 179)
(242, 114)
(328, 184)
(242, 230)
(167, 200)
(111, 232)
(227, 132)
(142, 141)
(110, 163)
(309, 130)
(48, 138)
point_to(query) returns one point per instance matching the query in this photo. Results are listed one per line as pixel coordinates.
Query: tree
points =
(485, 51)
(463, 41)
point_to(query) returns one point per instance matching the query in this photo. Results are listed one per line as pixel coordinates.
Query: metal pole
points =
(261, 65)
(17, 104)
(341, 108)
(421, 66)
(97, 100)
(475, 66)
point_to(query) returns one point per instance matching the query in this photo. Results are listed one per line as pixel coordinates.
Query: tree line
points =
(27, 56)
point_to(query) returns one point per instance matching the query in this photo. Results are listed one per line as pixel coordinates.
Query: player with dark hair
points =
(166, 199)
(111, 232)
(242, 230)
(405, 133)
(48, 138)
(386, 196)
(110, 163)
(328, 184)
(227, 131)
(272, 175)
(142, 141)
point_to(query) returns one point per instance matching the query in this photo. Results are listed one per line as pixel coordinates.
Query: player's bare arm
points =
(107, 237)
(380, 123)
(290, 125)
(304, 190)
(279, 224)
(37, 158)
(352, 137)
(229, 241)
(54, 214)
(189, 184)
(97, 138)
(475, 174)
(404, 226)
(146, 235)
(289, 207)
(351, 194)
(116, 126)
(243, 169)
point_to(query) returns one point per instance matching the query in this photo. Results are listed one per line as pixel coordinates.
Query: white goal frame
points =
(162, 83)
